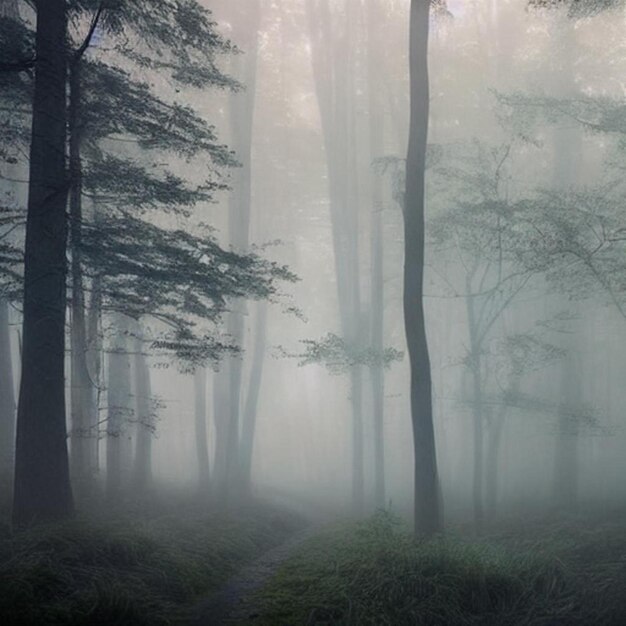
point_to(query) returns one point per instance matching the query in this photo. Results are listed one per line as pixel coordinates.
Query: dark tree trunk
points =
(428, 515)
(42, 482)
(202, 444)
(7, 399)
(248, 425)
(142, 463)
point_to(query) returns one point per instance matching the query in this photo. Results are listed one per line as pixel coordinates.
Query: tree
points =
(333, 57)
(9, 16)
(42, 484)
(144, 416)
(479, 229)
(428, 513)
(376, 136)
(245, 32)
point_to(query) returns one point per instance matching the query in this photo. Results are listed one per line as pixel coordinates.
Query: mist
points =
(312, 312)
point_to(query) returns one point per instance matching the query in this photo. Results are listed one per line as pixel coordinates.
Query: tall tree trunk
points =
(496, 430)
(478, 417)
(202, 444)
(142, 463)
(332, 65)
(220, 419)
(248, 425)
(428, 515)
(377, 307)
(566, 171)
(246, 34)
(42, 481)
(8, 8)
(84, 441)
(7, 398)
(566, 470)
(118, 396)
(94, 362)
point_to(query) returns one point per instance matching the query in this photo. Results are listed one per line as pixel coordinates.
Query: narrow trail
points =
(235, 602)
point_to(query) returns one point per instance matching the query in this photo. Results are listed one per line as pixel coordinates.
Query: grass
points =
(130, 569)
(374, 573)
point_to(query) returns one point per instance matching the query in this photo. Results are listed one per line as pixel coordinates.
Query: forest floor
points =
(263, 565)
(540, 573)
(143, 566)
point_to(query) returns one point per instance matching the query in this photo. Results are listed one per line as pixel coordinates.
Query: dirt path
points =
(234, 603)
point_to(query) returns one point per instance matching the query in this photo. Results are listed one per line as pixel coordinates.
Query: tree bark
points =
(428, 514)
(42, 483)
(202, 444)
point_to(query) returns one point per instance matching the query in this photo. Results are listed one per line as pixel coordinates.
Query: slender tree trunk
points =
(94, 363)
(142, 463)
(42, 482)
(496, 430)
(479, 444)
(566, 171)
(376, 132)
(84, 441)
(566, 470)
(202, 444)
(118, 395)
(332, 64)
(220, 418)
(478, 417)
(246, 35)
(7, 399)
(252, 399)
(428, 516)
(8, 8)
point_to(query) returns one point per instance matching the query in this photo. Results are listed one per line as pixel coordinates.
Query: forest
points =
(312, 312)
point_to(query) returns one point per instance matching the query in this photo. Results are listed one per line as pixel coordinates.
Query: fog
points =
(220, 311)
(303, 439)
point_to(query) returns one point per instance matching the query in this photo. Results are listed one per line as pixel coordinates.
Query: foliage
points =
(576, 8)
(338, 355)
(374, 573)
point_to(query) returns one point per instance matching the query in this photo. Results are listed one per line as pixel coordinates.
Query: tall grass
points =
(126, 571)
(374, 573)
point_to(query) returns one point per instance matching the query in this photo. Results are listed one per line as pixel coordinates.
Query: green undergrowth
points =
(128, 570)
(374, 573)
